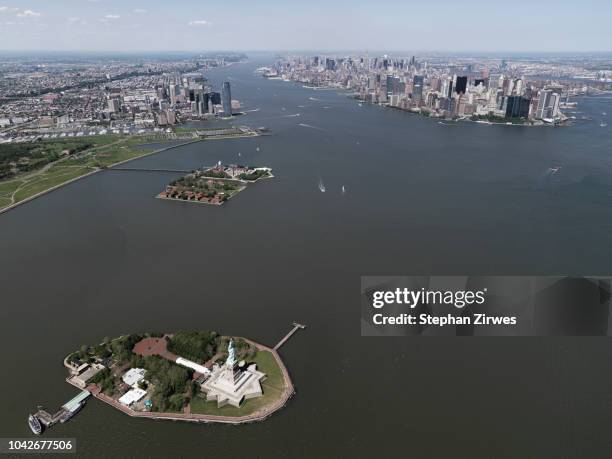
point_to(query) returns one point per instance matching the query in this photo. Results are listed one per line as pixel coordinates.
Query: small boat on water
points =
(35, 425)
(343, 189)
(602, 124)
(321, 186)
(257, 149)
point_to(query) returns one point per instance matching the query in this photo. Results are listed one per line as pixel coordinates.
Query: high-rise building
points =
(389, 85)
(548, 104)
(518, 87)
(226, 99)
(461, 85)
(417, 88)
(215, 98)
(517, 107)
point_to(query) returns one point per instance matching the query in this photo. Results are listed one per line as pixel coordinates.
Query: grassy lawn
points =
(104, 151)
(272, 387)
(7, 188)
(117, 153)
(53, 177)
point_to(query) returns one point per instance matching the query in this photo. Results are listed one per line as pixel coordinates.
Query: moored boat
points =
(35, 425)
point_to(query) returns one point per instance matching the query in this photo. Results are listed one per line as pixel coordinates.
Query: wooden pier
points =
(296, 327)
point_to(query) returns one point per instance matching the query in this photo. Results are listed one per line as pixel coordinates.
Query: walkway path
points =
(295, 328)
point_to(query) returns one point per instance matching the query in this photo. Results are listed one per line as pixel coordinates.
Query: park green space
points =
(46, 167)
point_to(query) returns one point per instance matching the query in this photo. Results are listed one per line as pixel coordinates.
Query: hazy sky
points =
(186, 25)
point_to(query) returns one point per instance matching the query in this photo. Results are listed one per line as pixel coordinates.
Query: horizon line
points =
(302, 50)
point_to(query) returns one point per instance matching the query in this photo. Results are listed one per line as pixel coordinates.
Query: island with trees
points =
(197, 376)
(214, 185)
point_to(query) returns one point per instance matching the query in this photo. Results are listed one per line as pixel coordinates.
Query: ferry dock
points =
(67, 410)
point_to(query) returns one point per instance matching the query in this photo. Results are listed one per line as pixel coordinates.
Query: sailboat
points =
(343, 189)
(257, 149)
(321, 186)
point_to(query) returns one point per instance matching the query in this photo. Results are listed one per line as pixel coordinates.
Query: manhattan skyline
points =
(188, 25)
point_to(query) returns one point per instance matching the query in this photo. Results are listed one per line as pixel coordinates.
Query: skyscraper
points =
(226, 99)
(461, 85)
(517, 107)
(548, 104)
(417, 89)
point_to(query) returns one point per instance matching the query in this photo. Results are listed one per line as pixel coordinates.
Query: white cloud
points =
(28, 14)
(8, 9)
(199, 23)
(139, 11)
(112, 16)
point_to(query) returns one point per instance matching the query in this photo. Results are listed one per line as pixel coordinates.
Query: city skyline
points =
(445, 26)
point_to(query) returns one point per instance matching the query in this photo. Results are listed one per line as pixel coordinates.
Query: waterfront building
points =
(517, 107)
(132, 396)
(226, 99)
(548, 104)
(86, 373)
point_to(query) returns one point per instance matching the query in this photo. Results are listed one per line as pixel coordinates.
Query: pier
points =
(296, 327)
(64, 413)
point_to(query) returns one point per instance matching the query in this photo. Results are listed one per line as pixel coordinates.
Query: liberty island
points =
(196, 376)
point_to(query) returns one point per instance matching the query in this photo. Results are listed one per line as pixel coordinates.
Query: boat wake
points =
(314, 98)
(310, 126)
(548, 176)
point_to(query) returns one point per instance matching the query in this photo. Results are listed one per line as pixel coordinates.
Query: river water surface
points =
(102, 257)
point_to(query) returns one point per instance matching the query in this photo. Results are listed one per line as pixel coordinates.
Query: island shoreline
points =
(258, 416)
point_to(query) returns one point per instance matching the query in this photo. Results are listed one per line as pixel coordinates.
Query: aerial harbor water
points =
(402, 195)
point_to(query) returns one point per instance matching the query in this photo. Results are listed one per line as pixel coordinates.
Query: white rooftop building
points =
(133, 376)
(194, 366)
(132, 396)
(228, 384)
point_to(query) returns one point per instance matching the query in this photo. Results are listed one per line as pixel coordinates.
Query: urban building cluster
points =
(65, 99)
(479, 89)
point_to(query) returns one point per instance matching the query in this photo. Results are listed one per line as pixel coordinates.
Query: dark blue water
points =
(102, 257)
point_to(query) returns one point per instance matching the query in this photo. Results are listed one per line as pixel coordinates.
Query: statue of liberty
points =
(231, 354)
